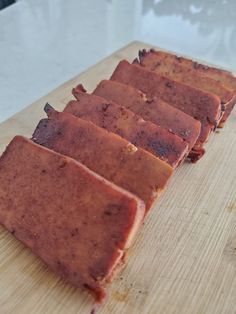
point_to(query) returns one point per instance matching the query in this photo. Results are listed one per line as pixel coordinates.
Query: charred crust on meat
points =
(142, 53)
(197, 66)
(136, 61)
(195, 155)
(161, 148)
(179, 58)
(223, 107)
(48, 109)
(214, 124)
(75, 232)
(78, 89)
(94, 243)
(62, 165)
(42, 124)
(169, 85)
(112, 210)
(105, 106)
(149, 100)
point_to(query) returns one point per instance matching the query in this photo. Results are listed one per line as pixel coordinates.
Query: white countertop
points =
(44, 43)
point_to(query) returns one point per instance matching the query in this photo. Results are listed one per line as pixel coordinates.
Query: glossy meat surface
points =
(161, 63)
(120, 120)
(151, 109)
(202, 106)
(105, 153)
(212, 78)
(76, 221)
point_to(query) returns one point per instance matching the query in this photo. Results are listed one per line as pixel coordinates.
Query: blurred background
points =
(43, 43)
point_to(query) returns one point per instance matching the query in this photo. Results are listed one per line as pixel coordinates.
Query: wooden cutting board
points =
(184, 259)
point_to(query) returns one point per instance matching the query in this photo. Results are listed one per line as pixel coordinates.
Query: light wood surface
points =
(183, 260)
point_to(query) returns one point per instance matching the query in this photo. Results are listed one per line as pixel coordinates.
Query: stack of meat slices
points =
(78, 191)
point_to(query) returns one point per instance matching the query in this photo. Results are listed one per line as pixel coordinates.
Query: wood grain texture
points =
(184, 259)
